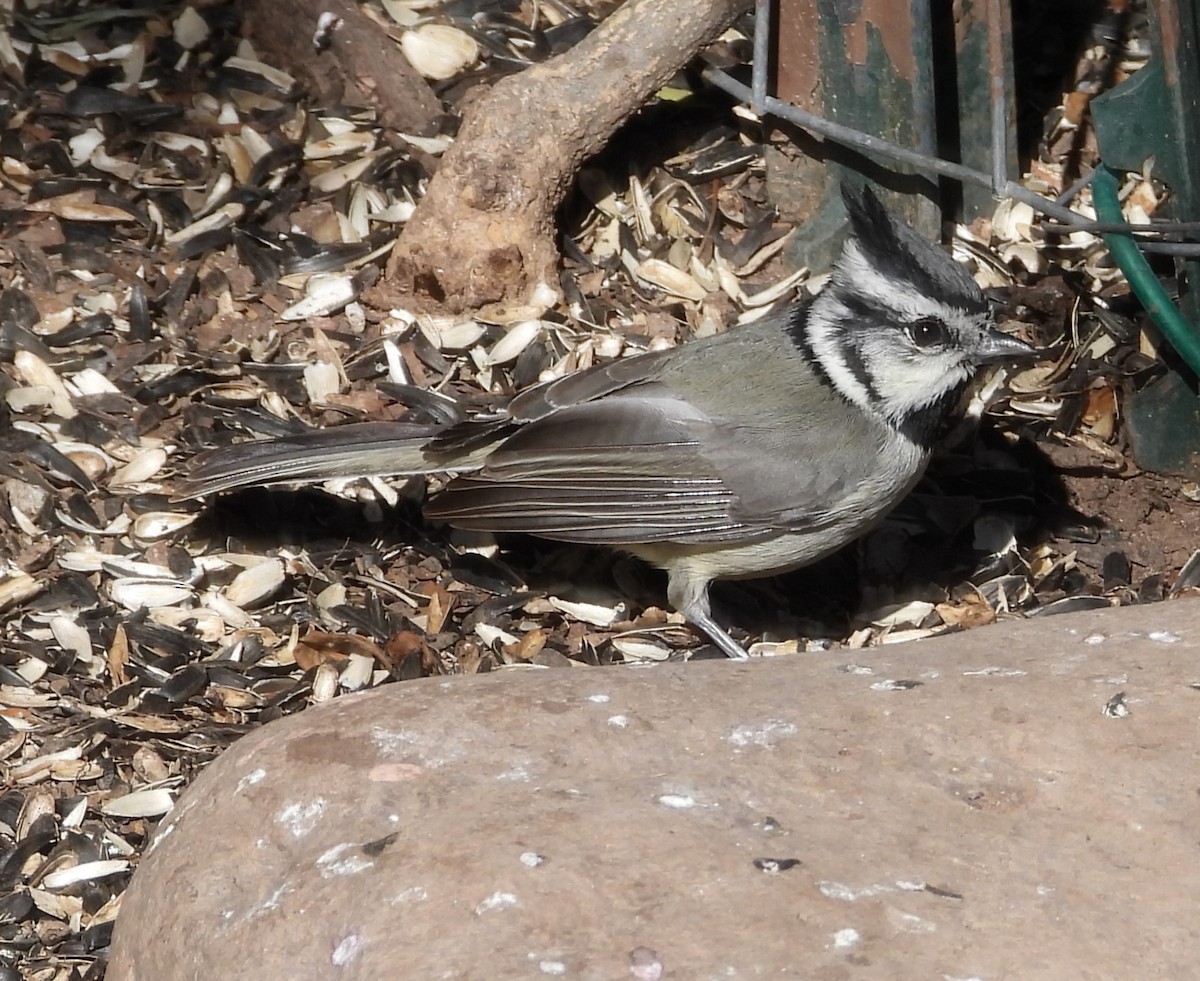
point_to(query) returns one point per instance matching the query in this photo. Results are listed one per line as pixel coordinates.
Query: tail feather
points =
(369, 449)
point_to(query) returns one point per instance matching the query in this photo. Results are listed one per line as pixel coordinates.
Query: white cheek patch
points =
(907, 378)
(827, 341)
(901, 379)
(913, 384)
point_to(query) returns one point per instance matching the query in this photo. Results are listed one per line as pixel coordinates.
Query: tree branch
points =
(359, 67)
(483, 237)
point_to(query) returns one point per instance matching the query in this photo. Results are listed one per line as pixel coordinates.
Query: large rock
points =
(1019, 801)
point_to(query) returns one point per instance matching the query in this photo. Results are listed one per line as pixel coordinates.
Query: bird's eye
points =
(927, 332)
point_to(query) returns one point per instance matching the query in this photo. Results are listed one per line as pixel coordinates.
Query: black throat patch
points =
(926, 425)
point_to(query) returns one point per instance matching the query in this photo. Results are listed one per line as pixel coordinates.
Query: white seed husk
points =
(54, 905)
(325, 682)
(224, 216)
(340, 144)
(137, 593)
(141, 803)
(141, 468)
(84, 872)
(490, 635)
(910, 614)
(593, 613)
(433, 145)
(81, 146)
(39, 375)
(515, 340)
(70, 636)
(448, 335)
(280, 79)
(406, 13)
(18, 589)
(77, 206)
(357, 672)
(190, 29)
(339, 177)
(438, 51)
(321, 380)
(669, 279)
(153, 525)
(325, 293)
(256, 584)
(32, 669)
(90, 382)
(638, 649)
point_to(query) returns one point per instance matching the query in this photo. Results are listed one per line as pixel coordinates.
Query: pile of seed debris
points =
(187, 257)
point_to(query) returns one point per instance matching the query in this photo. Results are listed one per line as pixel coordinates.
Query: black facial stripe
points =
(863, 312)
(798, 332)
(850, 355)
(864, 316)
(903, 267)
(868, 315)
(853, 360)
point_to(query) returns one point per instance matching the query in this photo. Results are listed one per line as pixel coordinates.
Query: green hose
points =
(1182, 336)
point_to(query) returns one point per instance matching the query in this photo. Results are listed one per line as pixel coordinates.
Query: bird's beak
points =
(996, 347)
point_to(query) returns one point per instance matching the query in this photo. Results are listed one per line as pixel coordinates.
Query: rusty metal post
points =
(867, 65)
(984, 117)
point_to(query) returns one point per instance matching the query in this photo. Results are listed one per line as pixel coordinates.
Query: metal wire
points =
(762, 56)
(995, 46)
(1187, 250)
(763, 104)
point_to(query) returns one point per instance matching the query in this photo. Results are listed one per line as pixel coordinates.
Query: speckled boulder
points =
(1018, 801)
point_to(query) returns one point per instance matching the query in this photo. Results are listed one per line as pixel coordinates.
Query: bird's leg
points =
(688, 593)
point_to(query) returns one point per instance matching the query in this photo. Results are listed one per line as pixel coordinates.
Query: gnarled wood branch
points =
(483, 237)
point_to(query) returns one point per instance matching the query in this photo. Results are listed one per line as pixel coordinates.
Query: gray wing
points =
(644, 464)
(623, 469)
